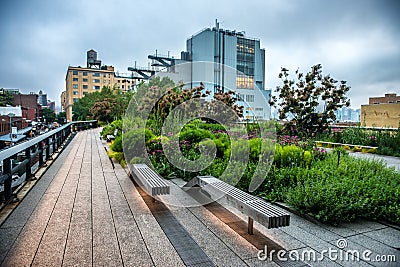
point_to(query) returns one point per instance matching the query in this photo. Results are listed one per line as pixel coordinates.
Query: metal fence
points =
(19, 160)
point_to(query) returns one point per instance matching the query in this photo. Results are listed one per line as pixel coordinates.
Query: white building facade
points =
(239, 65)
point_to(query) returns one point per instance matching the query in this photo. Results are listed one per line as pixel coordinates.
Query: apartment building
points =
(80, 81)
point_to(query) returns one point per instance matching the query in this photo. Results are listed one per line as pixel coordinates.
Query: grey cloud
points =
(43, 37)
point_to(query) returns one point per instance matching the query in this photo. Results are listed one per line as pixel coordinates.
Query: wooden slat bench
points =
(255, 208)
(333, 144)
(152, 182)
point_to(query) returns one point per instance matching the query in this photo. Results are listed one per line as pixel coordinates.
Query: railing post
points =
(40, 153)
(47, 148)
(7, 169)
(28, 170)
(54, 142)
(60, 139)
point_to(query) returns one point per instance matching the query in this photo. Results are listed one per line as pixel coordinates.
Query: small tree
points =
(105, 105)
(6, 98)
(299, 101)
(49, 115)
(61, 117)
(103, 110)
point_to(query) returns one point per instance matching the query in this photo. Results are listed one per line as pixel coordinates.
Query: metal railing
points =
(38, 149)
(365, 128)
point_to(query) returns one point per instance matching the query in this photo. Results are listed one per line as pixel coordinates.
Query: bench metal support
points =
(250, 226)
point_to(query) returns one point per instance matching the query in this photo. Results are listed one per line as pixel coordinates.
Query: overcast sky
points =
(357, 40)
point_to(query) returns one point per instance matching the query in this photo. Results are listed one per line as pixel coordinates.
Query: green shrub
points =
(355, 188)
(133, 144)
(307, 158)
(117, 144)
(109, 129)
(118, 156)
(194, 135)
(386, 141)
(288, 156)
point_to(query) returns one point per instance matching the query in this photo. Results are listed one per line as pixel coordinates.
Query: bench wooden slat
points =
(252, 206)
(152, 182)
(350, 145)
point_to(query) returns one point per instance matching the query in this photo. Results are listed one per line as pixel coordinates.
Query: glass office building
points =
(239, 66)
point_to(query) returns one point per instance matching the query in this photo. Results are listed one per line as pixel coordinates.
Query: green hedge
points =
(334, 194)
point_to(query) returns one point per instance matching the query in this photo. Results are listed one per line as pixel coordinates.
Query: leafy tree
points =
(143, 88)
(299, 101)
(81, 108)
(6, 98)
(170, 96)
(102, 110)
(107, 105)
(61, 117)
(229, 99)
(48, 115)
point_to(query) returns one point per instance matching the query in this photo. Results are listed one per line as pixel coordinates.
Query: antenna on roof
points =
(216, 24)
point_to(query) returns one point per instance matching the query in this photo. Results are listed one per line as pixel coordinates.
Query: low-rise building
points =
(388, 99)
(29, 103)
(382, 112)
(81, 81)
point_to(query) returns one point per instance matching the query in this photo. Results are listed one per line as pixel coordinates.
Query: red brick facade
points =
(388, 98)
(29, 104)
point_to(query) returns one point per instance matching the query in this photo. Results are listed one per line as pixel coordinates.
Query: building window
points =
(76, 99)
(74, 79)
(259, 109)
(85, 86)
(123, 86)
(96, 87)
(104, 75)
(84, 93)
(85, 73)
(75, 72)
(75, 92)
(245, 56)
(96, 80)
(249, 98)
(104, 81)
(244, 82)
(96, 74)
(85, 80)
(75, 86)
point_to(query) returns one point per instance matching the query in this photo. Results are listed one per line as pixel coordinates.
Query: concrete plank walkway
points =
(87, 216)
(83, 212)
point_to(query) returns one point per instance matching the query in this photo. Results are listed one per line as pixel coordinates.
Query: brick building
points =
(388, 98)
(29, 103)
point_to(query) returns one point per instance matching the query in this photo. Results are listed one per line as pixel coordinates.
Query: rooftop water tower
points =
(92, 61)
